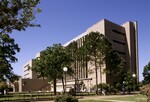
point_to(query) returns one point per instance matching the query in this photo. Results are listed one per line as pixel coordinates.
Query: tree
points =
(99, 49)
(50, 65)
(14, 15)
(3, 86)
(95, 46)
(129, 82)
(17, 15)
(146, 74)
(114, 66)
(72, 49)
(7, 51)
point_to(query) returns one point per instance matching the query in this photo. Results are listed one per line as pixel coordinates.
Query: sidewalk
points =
(100, 98)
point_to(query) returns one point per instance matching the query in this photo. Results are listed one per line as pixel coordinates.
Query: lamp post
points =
(65, 69)
(123, 88)
(134, 75)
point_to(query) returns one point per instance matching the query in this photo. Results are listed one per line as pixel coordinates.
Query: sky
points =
(62, 20)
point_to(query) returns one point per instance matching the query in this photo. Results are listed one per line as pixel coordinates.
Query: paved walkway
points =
(100, 98)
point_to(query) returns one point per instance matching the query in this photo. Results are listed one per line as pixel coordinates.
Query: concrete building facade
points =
(26, 85)
(124, 40)
(28, 73)
(30, 80)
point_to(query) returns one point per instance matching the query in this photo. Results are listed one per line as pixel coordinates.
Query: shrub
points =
(72, 91)
(3, 86)
(101, 87)
(112, 89)
(65, 98)
(145, 90)
(119, 86)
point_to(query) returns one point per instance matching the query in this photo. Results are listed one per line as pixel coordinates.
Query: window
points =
(26, 70)
(26, 74)
(123, 53)
(118, 32)
(118, 42)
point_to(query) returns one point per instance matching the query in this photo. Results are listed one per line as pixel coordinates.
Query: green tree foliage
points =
(8, 49)
(146, 74)
(3, 86)
(66, 98)
(14, 15)
(73, 51)
(95, 46)
(129, 82)
(50, 65)
(17, 15)
(114, 66)
(79, 60)
(98, 48)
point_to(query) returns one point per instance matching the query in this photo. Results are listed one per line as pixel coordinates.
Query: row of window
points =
(26, 70)
(81, 66)
(26, 74)
(123, 53)
(119, 42)
(118, 32)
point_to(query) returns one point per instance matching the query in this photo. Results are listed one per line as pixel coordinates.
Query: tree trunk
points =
(96, 78)
(63, 84)
(54, 86)
(100, 75)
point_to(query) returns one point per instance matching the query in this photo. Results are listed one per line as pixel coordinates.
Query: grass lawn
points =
(130, 98)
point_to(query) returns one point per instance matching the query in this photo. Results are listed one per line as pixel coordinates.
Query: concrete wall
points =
(32, 84)
(132, 42)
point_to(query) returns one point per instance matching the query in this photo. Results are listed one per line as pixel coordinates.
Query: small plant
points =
(65, 98)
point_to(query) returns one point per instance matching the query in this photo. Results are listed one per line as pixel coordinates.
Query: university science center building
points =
(124, 40)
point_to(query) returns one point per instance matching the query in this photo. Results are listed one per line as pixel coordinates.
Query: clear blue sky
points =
(62, 20)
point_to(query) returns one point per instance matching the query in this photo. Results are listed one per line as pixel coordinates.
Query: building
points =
(124, 40)
(28, 73)
(30, 80)
(26, 85)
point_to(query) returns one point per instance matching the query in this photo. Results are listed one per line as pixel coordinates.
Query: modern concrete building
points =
(30, 80)
(28, 73)
(124, 40)
(26, 85)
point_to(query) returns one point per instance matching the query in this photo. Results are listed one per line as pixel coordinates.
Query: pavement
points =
(99, 98)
